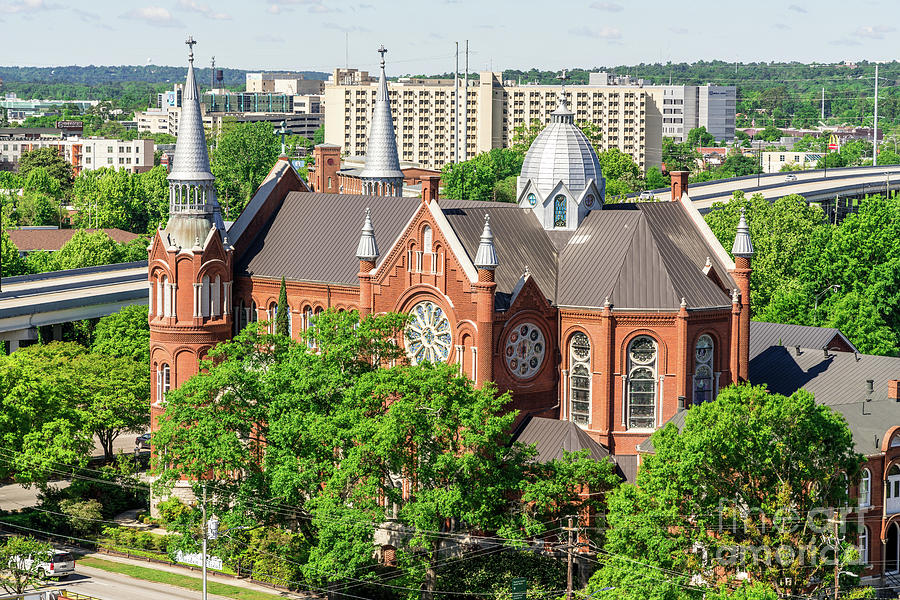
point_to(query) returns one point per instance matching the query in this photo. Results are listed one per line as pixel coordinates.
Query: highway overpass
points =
(814, 185)
(31, 301)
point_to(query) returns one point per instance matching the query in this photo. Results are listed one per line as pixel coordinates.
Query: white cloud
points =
(606, 33)
(875, 32)
(153, 15)
(845, 42)
(26, 6)
(607, 6)
(346, 28)
(314, 6)
(203, 9)
(679, 30)
(797, 8)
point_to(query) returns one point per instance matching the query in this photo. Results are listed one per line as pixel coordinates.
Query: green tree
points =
(655, 179)
(16, 576)
(888, 157)
(114, 396)
(39, 180)
(282, 316)
(678, 157)
(10, 262)
(424, 422)
(698, 136)
(770, 134)
(35, 208)
(243, 156)
(319, 135)
(87, 250)
(48, 158)
(110, 198)
(705, 496)
(478, 178)
(40, 421)
(124, 334)
(156, 193)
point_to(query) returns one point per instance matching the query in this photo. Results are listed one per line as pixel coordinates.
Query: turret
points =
(381, 175)
(742, 249)
(367, 253)
(485, 261)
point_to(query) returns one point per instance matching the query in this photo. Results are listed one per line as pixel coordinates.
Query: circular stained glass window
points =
(532, 199)
(589, 200)
(524, 350)
(643, 350)
(428, 337)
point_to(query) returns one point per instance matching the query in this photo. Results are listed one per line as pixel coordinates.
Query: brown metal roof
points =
(30, 240)
(313, 236)
(519, 239)
(763, 335)
(552, 438)
(645, 256)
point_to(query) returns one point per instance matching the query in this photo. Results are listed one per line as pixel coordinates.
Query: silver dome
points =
(561, 152)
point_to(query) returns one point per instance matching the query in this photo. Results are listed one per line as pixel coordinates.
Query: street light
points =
(830, 288)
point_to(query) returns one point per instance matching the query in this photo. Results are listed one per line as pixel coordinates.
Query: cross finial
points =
(190, 44)
(382, 50)
(487, 218)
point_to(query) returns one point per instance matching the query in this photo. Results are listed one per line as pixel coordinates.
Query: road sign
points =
(832, 142)
(519, 588)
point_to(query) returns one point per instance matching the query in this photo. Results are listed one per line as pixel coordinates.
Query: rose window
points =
(524, 350)
(427, 335)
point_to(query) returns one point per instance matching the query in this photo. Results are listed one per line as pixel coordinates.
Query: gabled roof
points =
(552, 438)
(838, 380)
(314, 236)
(763, 335)
(519, 240)
(645, 256)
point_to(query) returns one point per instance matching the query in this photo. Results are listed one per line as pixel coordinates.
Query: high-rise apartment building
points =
(424, 111)
(283, 83)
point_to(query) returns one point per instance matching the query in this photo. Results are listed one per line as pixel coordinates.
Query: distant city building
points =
(85, 154)
(247, 102)
(629, 118)
(152, 120)
(18, 109)
(283, 83)
(686, 107)
(772, 162)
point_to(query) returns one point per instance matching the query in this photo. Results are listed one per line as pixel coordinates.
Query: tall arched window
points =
(559, 211)
(865, 488)
(863, 546)
(642, 359)
(703, 370)
(167, 296)
(271, 315)
(254, 315)
(160, 284)
(580, 379)
(163, 382)
(204, 296)
(240, 321)
(215, 298)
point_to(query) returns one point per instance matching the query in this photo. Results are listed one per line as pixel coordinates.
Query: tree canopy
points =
(50, 160)
(343, 431)
(243, 154)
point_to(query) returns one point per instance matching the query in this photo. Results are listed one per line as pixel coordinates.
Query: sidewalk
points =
(196, 573)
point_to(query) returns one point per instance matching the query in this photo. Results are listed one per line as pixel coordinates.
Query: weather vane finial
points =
(190, 44)
(382, 50)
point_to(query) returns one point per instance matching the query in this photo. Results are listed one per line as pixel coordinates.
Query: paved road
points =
(113, 586)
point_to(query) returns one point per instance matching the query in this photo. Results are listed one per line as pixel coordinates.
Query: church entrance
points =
(892, 549)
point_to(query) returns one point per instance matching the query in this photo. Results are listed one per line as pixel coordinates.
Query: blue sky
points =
(311, 34)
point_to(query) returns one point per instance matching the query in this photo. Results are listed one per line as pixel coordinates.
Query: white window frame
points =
(865, 488)
(633, 367)
(574, 364)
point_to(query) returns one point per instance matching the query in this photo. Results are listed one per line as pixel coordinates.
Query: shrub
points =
(85, 515)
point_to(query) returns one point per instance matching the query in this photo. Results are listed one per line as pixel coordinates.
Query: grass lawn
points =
(184, 581)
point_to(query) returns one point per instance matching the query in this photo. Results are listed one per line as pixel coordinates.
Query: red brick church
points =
(610, 317)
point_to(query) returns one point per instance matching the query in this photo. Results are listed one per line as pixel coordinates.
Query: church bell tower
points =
(190, 269)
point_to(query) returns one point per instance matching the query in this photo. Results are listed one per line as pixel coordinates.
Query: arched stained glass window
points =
(559, 211)
(642, 359)
(703, 369)
(580, 379)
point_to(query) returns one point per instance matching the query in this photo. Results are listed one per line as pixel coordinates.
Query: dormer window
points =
(532, 199)
(559, 211)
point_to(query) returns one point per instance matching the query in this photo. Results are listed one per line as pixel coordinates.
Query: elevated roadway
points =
(814, 185)
(31, 301)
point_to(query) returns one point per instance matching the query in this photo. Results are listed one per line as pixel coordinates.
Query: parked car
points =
(56, 563)
(647, 196)
(142, 442)
(790, 177)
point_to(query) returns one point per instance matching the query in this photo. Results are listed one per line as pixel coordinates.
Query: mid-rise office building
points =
(85, 154)
(424, 112)
(290, 84)
(686, 107)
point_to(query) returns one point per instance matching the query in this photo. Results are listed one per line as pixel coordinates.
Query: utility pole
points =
(456, 108)
(569, 560)
(837, 568)
(875, 133)
(203, 528)
(212, 75)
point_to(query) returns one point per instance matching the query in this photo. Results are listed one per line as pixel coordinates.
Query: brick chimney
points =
(430, 187)
(327, 158)
(679, 184)
(894, 390)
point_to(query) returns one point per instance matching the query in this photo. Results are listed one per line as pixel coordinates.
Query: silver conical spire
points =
(486, 257)
(743, 245)
(368, 247)
(382, 161)
(193, 209)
